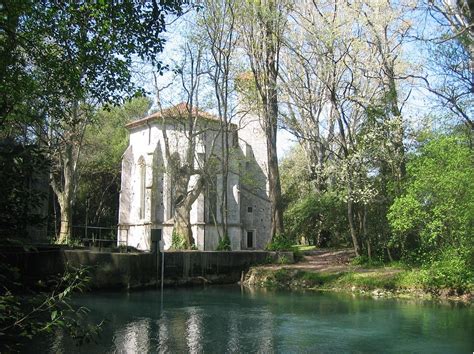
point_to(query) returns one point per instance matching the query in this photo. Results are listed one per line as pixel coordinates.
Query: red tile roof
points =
(181, 110)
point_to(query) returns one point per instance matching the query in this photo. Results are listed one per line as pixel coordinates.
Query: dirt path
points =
(329, 260)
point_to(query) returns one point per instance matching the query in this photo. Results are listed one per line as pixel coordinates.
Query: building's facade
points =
(146, 196)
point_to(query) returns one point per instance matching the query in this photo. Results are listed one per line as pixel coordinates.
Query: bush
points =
(280, 243)
(44, 309)
(432, 220)
(453, 269)
(366, 262)
(435, 212)
(224, 243)
(177, 241)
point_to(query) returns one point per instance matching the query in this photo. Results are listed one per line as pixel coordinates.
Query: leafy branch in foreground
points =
(26, 314)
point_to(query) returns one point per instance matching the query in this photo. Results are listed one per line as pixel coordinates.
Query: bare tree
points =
(450, 57)
(339, 61)
(218, 21)
(188, 169)
(262, 31)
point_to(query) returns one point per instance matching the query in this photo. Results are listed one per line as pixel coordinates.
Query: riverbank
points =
(329, 270)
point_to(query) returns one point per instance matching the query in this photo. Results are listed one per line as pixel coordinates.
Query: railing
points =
(95, 236)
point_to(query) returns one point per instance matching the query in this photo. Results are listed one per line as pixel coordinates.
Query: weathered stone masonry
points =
(146, 198)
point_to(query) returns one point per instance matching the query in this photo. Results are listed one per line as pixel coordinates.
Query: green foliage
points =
(453, 269)
(295, 177)
(104, 144)
(58, 60)
(366, 262)
(279, 243)
(318, 219)
(178, 241)
(42, 310)
(432, 221)
(247, 89)
(283, 259)
(75, 50)
(224, 243)
(437, 207)
(23, 187)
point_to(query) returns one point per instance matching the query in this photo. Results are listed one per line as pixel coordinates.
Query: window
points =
(235, 139)
(250, 239)
(249, 209)
(142, 185)
(212, 201)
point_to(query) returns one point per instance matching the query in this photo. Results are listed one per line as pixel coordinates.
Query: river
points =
(229, 319)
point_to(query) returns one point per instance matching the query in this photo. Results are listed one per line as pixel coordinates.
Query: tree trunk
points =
(274, 186)
(65, 195)
(365, 233)
(399, 133)
(66, 218)
(389, 254)
(225, 178)
(184, 202)
(182, 226)
(350, 216)
(271, 118)
(369, 250)
(264, 58)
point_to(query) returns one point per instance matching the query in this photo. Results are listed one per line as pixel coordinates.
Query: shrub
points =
(282, 259)
(224, 243)
(279, 243)
(436, 209)
(177, 241)
(453, 269)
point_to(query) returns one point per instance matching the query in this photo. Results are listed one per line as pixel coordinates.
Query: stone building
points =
(147, 195)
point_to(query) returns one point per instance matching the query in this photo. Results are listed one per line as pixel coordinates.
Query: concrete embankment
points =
(137, 270)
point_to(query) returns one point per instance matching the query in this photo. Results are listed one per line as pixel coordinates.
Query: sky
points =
(175, 40)
(419, 103)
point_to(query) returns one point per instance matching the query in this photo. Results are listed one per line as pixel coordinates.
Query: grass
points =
(302, 248)
(298, 279)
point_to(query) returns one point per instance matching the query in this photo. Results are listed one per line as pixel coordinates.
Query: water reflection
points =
(225, 320)
(193, 330)
(132, 336)
(163, 334)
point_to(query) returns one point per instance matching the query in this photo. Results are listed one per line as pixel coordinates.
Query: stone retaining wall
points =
(137, 270)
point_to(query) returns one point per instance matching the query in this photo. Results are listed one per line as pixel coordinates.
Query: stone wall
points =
(190, 267)
(146, 197)
(137, 270)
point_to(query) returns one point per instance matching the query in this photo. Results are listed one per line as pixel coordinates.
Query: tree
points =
(218, 21)
(103, 147)
(449, 43)
(437, 205)
(262, 38)
(432, 220)
(459, 16)
(189, 172)
(75, 56)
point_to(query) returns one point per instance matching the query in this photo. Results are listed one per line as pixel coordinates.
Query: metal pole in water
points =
(162, 249)
(162, 268)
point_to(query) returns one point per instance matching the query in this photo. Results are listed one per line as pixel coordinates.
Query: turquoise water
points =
(228, 319)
